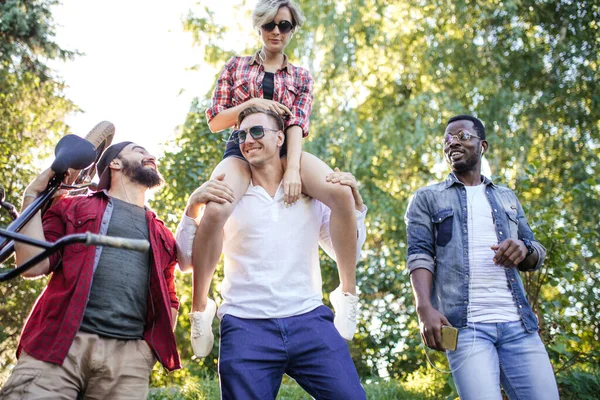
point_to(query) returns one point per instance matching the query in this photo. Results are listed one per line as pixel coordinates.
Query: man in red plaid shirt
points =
(107, 314)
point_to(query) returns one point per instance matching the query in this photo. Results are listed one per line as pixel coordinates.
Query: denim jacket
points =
(436, 221)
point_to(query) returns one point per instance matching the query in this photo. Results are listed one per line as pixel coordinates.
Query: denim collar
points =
(452, 180)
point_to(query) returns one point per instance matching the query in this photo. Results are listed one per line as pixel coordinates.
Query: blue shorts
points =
(233, 149)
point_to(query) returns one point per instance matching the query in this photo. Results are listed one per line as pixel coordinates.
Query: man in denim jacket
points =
(467, 237)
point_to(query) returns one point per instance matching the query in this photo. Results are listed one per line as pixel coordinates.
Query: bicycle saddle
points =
(72, 152)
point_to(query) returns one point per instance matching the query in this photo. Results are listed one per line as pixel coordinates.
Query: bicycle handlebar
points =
(89, 239)
(118, 242)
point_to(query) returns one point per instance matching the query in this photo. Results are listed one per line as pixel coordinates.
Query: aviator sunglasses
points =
(462, 136)
(257, 132)
(284, 26)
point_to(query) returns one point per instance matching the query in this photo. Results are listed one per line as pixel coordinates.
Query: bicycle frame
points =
(71, 152)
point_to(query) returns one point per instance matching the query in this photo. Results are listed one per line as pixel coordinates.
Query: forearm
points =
(421, 280)
(35, 230)
(173, 317)
(228, 117)
(293, 136)
(530, 262)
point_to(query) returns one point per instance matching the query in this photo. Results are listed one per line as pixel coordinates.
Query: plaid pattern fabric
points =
(241, 79)
(56, 317)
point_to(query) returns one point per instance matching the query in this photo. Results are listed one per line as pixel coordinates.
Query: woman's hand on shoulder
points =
(269, 105)
(292, 185)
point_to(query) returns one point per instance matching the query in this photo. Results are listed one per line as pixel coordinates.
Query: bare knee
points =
(339, 197)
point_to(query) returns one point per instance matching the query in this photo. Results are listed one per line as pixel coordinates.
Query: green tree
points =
(388, 74)
(32, 112)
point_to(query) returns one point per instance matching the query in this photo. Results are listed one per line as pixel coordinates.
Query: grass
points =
(208, 389)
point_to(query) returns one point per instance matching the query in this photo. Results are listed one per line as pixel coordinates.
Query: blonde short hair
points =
(257, 110)
(265, 12)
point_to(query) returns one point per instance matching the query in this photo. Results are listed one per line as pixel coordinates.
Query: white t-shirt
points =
(271, 254)
(490, 297)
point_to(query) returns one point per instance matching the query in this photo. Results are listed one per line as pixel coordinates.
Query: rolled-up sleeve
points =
(170, 279)
(419, 229)
(186, 231)
(221, 98)
(302, 106)
(325, 234)
(54, 229)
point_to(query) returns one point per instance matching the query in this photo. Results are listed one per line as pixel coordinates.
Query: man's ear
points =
(280, 138)
(116, 164)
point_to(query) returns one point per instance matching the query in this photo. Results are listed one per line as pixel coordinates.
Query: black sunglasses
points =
(284, 26)
(257, 132)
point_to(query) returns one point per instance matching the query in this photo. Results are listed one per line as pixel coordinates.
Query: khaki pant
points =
(100, 368)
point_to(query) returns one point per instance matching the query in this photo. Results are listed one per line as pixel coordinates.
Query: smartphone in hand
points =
(449, 337)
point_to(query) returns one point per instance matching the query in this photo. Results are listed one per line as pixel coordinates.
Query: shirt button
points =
(466, 302)
(501, 232)
(495, 210)
(520, 306)
(439, 219)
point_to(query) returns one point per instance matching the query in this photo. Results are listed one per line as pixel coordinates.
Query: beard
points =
(144, 176)
(465, 165)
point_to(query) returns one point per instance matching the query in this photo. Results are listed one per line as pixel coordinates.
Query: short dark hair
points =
(102, 166)
(256, 110)
(476, 121)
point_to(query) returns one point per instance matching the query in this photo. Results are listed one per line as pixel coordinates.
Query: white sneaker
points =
(346, 310)
(202, 334)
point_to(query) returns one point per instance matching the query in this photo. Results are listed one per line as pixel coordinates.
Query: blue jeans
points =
(503, 354)
(255, 353)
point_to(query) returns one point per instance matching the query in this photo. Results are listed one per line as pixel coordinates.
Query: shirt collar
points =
(255, 188)
(452, 179)
(105, 193)
(255, 59)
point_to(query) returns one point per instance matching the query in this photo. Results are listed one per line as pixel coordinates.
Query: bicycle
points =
(74, 168)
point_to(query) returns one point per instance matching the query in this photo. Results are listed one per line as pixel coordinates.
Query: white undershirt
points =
(271, 254)
(490, 297)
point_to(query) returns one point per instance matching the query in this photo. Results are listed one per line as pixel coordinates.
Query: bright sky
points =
(134, 68)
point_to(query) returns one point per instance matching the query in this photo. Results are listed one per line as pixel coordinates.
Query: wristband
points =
(30, 195)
